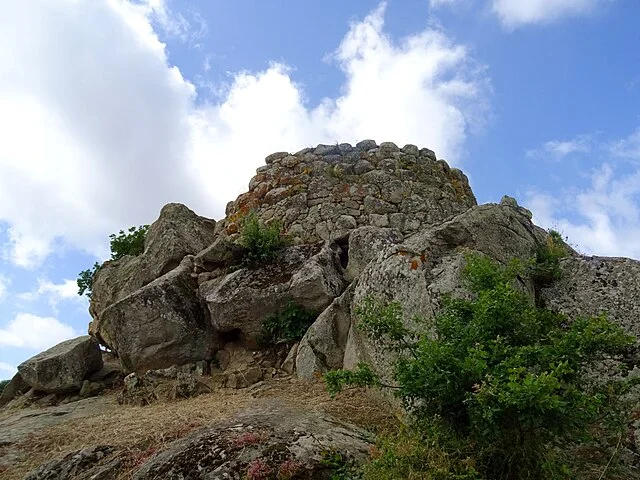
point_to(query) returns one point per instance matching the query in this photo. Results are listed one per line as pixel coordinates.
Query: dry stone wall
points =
(324, 192)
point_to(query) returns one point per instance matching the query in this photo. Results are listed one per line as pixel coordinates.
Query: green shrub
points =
(546, 267)
(412, 455)
(124, 243)
(261, 242)
(128, 243)
(501, 375)
(288, 325)
(85, 280)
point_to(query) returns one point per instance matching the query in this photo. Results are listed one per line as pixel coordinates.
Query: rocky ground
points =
(36, 435)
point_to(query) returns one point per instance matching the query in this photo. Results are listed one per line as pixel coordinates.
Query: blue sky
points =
(111, 108)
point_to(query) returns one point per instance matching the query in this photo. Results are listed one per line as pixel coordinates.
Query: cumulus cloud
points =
(7, 371)
(602, 218)
(516, 13)
(100, 130)
(32, 331)
(559, 149)
(53, 293)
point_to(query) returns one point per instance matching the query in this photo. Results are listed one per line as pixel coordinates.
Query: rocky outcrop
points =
(324, 192)
(238, 303)
(322, 347)
(62, 368)
(417, 273)
(270, 439)
(15, 387)
(364, 244)
(158, 385)
(159, 325)
(177, 232)
(593, 285)
(93, 463)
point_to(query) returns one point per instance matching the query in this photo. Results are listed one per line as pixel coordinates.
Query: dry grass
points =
(140, 432)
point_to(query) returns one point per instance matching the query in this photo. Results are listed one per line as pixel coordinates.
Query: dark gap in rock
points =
(343, 250)
(234, 336)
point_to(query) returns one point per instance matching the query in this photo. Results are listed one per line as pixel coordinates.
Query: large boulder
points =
(62, 368)
(159, 325)
(322, 347)
(15, 387)
(309, 275)
(593, 285)
(268, 440)
(177, 232)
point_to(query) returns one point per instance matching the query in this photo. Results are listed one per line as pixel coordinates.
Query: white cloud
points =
(4, 287)
(516, 13)
(7, 371)
(32, 331)
(602, 219)
(54, 293)
(628, 148)
(99, 131)
(559, 149)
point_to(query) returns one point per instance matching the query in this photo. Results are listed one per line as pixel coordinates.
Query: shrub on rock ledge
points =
(261, 242)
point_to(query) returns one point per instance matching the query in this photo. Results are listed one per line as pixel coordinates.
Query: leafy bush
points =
(85, 280)
(287, 326)
(261, 242)
(128, 243)
(124, 243)
(501, 375)
(3, 383)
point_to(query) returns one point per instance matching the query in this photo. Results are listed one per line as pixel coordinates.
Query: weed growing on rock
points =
(502, 383)
(261, 242)
(546, 267)
(288, 325)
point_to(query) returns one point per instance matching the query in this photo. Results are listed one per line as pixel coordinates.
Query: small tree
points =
(124, 243)
(500, 373)
(128, 243)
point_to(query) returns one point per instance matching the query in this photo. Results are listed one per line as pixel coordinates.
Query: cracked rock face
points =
(309, 275)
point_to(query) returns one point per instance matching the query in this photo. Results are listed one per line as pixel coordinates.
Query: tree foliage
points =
(124, 243)
(500, 373)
